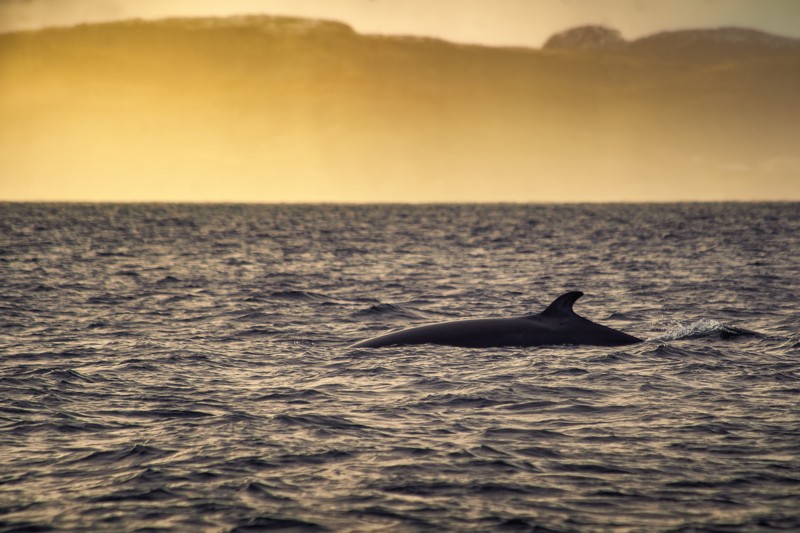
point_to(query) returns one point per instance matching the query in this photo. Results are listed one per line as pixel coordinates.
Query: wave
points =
(705, 327)
(389, 311)
(302, 296)
(168, 280)
(318, 421)
(136, 453)
(271, 523)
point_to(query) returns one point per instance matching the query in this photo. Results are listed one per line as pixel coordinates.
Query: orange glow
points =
(285, 110)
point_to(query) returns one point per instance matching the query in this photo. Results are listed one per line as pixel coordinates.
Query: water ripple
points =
(183, 367)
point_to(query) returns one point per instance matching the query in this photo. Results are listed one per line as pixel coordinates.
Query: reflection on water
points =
(184, 367)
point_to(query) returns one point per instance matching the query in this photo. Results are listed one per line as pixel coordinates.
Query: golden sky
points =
(129, 118)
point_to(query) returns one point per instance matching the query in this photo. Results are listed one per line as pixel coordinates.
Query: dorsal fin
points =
(562, 306)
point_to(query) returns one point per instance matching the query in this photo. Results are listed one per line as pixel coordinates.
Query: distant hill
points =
(730, 41)
(688, 45)
(303, 110)
(586, 38)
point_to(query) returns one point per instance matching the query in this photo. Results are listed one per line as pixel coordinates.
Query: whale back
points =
(556, 325)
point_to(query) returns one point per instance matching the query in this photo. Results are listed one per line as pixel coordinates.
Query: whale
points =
(556, 325)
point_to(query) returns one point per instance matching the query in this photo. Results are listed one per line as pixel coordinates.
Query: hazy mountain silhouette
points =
(585, 37)
(273, 104)
(732, 42)
(688, 45)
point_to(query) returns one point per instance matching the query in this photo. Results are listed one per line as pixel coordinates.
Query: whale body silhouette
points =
(558, 324)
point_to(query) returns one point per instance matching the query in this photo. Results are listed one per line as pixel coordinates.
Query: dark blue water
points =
(184, 367)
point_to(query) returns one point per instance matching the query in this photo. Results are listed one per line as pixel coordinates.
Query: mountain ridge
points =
(590, 36)
(603, 37)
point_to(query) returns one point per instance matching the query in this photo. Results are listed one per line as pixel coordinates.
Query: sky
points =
(493, 22)
(77, 142)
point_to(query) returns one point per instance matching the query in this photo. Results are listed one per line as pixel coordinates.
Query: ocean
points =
(186, 368)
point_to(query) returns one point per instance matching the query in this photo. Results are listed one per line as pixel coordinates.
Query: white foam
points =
(703, 327)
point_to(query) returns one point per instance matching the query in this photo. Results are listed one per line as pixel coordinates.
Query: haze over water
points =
(184, 367)
(270, 109)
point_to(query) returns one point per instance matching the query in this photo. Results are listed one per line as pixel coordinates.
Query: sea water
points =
(185, 367)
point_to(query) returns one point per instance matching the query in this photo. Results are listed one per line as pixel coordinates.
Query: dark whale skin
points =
(556, 325)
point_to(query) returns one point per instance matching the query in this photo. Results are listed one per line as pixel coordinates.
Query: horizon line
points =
(399, 203)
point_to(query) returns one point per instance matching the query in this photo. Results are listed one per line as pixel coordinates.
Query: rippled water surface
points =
(186, 367)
